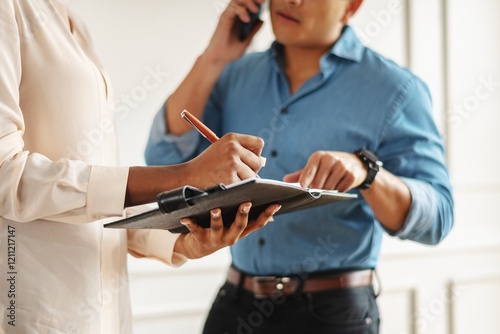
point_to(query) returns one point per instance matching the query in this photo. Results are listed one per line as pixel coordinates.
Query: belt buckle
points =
(278, 282)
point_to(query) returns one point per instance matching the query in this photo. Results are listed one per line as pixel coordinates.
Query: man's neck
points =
(301, 64)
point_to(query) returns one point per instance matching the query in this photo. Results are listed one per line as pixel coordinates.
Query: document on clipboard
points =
(194, 203)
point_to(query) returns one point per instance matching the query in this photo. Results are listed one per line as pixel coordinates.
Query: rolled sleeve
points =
(413, 150)
(423, 210)
(164, 148)
(155, 244)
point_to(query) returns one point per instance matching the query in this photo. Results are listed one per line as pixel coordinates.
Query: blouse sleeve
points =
(33, 186)
(155, 244)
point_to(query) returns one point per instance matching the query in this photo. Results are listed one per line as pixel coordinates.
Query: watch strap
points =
(373, 164)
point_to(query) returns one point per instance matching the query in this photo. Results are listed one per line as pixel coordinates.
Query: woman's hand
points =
(203, 241)
(232, 158)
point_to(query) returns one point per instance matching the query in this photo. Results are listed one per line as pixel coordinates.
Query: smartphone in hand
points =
(246, 28)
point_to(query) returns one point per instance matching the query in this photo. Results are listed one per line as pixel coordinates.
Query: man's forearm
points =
(193, 93)
(390, 200)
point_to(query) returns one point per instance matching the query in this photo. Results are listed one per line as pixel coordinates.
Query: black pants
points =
(339, 311)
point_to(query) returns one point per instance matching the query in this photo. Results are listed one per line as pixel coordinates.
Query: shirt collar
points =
(348, 47)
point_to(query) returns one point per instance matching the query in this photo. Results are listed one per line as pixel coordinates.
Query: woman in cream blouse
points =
(61, 271)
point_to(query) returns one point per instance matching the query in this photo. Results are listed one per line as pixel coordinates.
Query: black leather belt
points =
(269, 286)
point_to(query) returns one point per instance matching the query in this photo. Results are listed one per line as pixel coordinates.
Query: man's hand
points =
(225, 45)
(203, 241)
(330, 170)
(389, 197)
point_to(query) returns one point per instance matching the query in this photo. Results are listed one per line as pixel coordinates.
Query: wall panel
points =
(479, 303)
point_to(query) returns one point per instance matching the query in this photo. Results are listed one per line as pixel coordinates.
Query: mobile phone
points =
(246, 28)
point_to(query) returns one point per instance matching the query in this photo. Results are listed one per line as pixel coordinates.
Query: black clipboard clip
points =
(184, 197)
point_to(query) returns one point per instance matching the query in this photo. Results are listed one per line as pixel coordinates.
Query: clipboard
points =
(196, 204)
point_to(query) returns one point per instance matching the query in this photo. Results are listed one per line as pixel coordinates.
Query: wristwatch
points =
(372, 162)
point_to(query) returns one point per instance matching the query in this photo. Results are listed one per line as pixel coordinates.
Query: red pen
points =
(205, 131)
(198, 125)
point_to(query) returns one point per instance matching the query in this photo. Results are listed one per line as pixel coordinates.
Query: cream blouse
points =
(61, 272)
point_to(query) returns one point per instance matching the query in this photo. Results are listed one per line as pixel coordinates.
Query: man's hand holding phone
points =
(225, 46)
(237, 25)
(248, 27)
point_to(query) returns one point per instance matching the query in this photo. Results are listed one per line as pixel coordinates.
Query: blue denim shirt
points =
(358, 100)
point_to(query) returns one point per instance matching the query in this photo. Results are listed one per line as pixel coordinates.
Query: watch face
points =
(373, 163)
(370, 156)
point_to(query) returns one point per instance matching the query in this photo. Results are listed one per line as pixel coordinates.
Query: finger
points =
(265, 217)
(239, 224)
(216, 224)
(242, 8)
(258, 4)
(250, 163)
(244, 171)
(337, 173)
(244, 162)
(193, 228)
(255, 29)
(251, 143)
(346, 182)
(248, 168)
(293, 177)
(309, 171)
(252, 160)
(247, 148)
(325, 164)
(252, 6)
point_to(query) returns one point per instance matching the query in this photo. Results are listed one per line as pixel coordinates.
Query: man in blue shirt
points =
(330, 111)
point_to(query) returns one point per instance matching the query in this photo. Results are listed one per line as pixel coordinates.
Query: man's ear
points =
(352, 8)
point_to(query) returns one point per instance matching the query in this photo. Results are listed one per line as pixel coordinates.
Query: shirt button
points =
(274, 153)
(262, 242)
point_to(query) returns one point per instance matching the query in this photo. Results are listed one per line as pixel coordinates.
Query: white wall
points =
(452, 44)
(135, 38)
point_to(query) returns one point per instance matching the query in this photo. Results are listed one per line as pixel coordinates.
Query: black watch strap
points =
(372, 162)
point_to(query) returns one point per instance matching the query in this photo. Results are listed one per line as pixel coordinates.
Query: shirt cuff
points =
(106, 192)
(423, 209)
(155, 244)
(186, 143)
